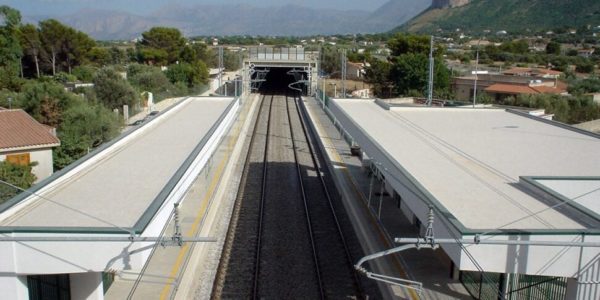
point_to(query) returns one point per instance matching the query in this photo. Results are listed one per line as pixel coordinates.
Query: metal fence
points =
(520, 286)
(270, 53)
(163, 274)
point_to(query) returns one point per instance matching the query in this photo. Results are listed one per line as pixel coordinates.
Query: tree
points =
(85, 127)
(190, 74)
(405, 44)
(409, 70)
(584, 86)
(10, 47)
(553, 48)
(17, 175)
(152, 80)
(161, 45)
(84, 73)
(76, 47)
(100, 56)
(46, 102)
(52, 34)
(32, 44)
(331, 60)
(584, 66)
(113, 90)
(378, 75)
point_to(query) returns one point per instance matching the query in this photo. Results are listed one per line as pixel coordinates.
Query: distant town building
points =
(23, 140)
(533, 72)
(586, 53)
(355, 70)
(70, 86)
(500, 91)
(510, 83)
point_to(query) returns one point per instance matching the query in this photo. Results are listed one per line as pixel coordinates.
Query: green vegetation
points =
(570, 110)
(406, 71)
(36, 61)
(16, 175)
(510, 15)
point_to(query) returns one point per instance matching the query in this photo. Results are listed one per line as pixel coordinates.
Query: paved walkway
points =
(432, 268)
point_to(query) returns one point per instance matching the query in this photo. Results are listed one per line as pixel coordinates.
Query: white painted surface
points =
(584, 192)
(470, 160)
(44, 160)
(96, 257)
(471, 163)
(86, 286)
(117, 186)
(13, 287)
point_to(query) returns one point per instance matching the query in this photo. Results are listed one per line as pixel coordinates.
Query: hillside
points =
(509, 15)
(243, 19)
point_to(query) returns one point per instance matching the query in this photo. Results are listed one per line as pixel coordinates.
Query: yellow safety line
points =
(339, 160)
(192, 231)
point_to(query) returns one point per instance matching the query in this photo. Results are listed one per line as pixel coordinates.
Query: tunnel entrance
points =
(277, 80)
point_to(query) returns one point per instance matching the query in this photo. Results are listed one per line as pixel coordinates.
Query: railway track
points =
(285, 239)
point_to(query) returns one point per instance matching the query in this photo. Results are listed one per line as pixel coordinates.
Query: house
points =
(511, 81)
(23, 140)
(585, 53)
(500, 91)
(533, 72)
(355, 70)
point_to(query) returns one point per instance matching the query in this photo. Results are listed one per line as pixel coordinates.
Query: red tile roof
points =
(515, 89)
(510, 89)
(19, 130)
(542, 89)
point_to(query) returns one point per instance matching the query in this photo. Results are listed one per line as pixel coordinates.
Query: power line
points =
(539, 212)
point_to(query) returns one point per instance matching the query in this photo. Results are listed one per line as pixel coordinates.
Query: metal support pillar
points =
(431, 70)
(344, 72)
(380, 199)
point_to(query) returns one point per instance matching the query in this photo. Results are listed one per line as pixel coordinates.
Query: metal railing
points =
(286, 54)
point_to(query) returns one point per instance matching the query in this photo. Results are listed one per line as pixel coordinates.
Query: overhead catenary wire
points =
(529, 213)
(487, 233)
(466, 170)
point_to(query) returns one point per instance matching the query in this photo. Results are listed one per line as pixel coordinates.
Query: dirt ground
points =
(351, 85)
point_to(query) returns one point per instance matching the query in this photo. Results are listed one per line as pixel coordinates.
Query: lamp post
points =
(9, 102)
(476, 75)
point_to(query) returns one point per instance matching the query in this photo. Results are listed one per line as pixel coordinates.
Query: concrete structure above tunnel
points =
(301, 64)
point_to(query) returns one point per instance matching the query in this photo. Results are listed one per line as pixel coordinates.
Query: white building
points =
(494, 175)
(23, 140)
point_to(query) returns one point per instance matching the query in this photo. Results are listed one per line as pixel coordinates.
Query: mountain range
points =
(242, 19)
(509, 15)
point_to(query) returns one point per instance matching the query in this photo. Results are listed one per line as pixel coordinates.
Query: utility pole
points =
(476, 75)
(344, 72)
(431, 68)
(220, 67)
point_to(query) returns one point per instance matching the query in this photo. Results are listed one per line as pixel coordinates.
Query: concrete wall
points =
(87, 286)
(43, 157)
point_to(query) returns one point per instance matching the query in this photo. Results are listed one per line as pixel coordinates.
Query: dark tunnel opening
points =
(277, 81)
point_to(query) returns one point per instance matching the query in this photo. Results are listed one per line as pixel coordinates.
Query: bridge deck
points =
(122, 181)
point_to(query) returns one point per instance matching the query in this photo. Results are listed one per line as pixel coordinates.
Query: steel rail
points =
(305, 202)
(313, 151)
(262, 204)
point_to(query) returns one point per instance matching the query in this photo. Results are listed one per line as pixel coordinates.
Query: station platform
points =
(378, 220)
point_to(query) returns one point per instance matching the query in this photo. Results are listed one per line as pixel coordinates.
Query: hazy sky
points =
(54, 7)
